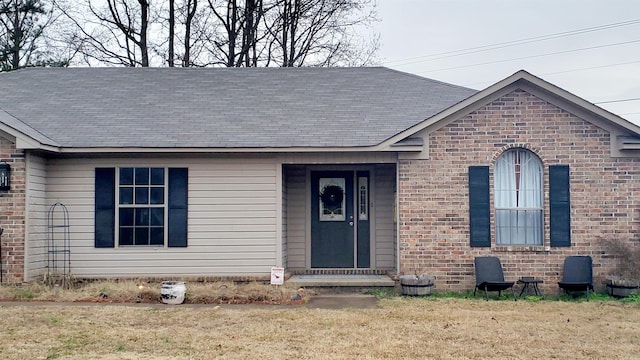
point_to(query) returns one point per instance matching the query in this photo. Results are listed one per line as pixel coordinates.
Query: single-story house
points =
(226, 173)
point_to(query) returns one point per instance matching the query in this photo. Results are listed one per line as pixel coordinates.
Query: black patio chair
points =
(577, 275)
(489, 276)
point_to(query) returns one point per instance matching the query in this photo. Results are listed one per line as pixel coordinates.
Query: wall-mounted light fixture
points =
(5, 175)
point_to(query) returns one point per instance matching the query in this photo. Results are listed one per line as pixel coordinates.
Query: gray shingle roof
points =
(221, 108)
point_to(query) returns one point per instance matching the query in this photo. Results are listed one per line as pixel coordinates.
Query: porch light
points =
(5, 170)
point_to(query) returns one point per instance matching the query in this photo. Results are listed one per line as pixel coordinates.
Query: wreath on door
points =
(331, 197)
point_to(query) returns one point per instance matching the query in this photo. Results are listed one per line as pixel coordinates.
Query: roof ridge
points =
(428, 79)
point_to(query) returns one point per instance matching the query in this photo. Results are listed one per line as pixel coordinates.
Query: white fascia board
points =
(19, 131)
(412, 148)
(27, 143)
(22, 141)
(129, 150)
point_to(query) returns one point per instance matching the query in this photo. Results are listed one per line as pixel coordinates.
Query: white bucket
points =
(173, 292)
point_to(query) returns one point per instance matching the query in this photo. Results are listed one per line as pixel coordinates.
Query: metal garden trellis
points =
(58, 245)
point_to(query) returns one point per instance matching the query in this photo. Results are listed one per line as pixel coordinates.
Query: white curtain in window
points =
(505, 181)
(518, 198)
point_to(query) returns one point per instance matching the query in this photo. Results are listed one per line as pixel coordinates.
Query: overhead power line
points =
(505, 44)
(564, 71)
(617, 101)
(529, 57)
(591, 68)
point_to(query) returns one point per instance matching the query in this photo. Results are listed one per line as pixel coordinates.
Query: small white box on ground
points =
(277, 276)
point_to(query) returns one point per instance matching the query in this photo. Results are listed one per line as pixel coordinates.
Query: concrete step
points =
(359, 280)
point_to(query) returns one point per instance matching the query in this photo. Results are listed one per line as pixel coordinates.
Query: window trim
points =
(105, 209)
(164, 206)
(540, 192)
(557, 202)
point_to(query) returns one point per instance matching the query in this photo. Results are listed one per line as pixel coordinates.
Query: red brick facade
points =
(12, 215)
(434, 202)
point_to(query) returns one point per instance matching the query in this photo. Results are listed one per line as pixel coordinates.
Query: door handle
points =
(350, 223)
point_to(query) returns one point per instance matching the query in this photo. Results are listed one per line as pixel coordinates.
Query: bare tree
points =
(172, 30)
(254, 11)
(174, 35)
(191, 8)
(318, 32)
(291, 32)
(132, 23)
(109, 32)
(236, 44)
(230, 33)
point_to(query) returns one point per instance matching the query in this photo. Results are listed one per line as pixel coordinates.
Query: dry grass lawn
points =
(143, 291)
(400, 328)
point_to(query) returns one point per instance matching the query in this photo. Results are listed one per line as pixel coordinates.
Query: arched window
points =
(518, 196)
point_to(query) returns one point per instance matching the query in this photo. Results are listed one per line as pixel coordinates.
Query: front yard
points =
(400, 328)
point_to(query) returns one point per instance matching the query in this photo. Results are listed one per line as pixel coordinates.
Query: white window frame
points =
(120, 206)
(519, 198)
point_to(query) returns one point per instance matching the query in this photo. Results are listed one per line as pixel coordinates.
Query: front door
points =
(339, 232)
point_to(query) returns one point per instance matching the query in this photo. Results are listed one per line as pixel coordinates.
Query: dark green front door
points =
(334, 224)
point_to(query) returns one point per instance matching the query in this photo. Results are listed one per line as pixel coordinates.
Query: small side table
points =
(530, 282)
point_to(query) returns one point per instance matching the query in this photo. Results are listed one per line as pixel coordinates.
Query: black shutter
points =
(105, 207)
(479, 207)
(178, 181)
(559, 205)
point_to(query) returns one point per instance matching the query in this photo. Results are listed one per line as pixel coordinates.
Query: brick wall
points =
(433, 194)
(12, 215)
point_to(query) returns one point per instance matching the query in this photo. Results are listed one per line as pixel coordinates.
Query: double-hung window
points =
(141, 206)
(518, 196)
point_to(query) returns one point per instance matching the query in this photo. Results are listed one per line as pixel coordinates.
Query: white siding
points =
(296, 216)
(231, 227)
(36, 217)
(339, 158)
(235, 216)
(285, 196)
(385, 233)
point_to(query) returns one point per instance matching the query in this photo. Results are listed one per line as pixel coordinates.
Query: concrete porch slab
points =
(356, 280)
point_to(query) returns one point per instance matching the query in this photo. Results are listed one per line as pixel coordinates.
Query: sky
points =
(590, 48)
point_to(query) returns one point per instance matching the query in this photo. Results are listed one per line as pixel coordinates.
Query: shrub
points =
(626, 259)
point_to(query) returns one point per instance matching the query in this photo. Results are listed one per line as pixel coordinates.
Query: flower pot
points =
(619, 288)
(416, 285)
(173, 292)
